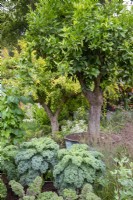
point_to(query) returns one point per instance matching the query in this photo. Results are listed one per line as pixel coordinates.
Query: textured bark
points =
(95, 99)
(53, 118)
(94, 120)
(54, 124)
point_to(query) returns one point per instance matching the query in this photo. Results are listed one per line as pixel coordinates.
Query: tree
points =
(88, 39)
(34, 78)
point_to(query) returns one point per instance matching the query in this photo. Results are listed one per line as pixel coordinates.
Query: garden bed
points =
(48, 186)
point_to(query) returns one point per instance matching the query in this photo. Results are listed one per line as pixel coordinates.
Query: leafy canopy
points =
(86, 38)
(13, 20)
(34, 77)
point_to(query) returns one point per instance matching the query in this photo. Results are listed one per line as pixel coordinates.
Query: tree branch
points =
(97, 83)
(48, 110)
(85, 90)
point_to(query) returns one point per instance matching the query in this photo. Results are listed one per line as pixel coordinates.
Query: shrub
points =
(124, 179)
(35, 158)
(3, 190)
(77, 166)
(11, 118)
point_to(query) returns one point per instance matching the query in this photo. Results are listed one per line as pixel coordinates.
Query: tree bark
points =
(53, 118)
(95, 99)
(54, 124)
(96, 102)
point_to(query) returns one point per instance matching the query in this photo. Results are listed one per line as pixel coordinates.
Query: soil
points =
(107, 141)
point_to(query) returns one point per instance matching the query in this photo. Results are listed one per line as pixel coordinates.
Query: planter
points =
(75, 138)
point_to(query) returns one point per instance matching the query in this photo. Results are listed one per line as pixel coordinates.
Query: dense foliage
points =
(77, 166)
(35, 158)
(13, 20)
(11, 118)
(34, 78)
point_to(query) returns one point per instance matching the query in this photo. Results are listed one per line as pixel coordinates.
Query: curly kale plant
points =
(49, 196)
(3, 190)
(77, 166)
(7, 160)
(35, 158)
(69, 194)
(33, 192)
(87, 193)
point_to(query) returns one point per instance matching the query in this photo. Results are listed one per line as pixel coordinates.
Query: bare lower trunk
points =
(94, 123)
(54, 123)
(95, 99)
(53, 118)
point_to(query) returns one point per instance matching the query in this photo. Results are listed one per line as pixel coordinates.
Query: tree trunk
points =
(95, 99)
(53, 118)
(54, 123)
(94, 123)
